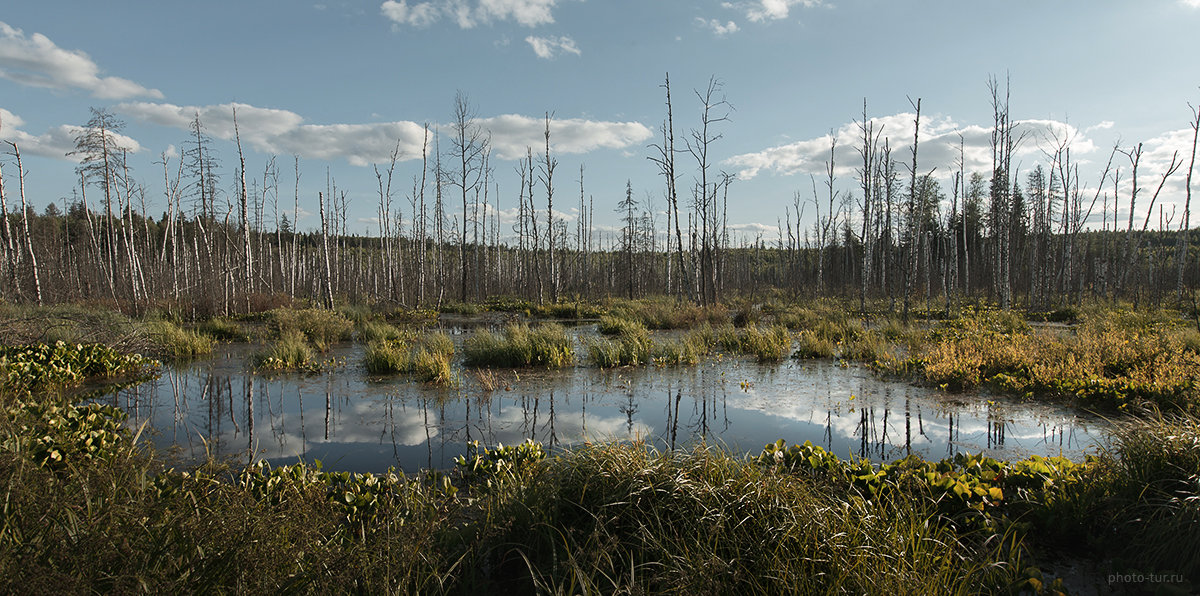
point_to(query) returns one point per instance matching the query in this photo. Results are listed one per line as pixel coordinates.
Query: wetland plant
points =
(425, 356)
(519, 345)
(290, 352)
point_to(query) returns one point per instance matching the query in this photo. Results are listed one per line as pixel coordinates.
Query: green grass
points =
(771, 344)
(610, 325)
(321, 328)
(371, 330)
(223, 329)
(290, 352)
(171, 341)
(86, 509)
(546, 345)
(426, 357)
(666, 313)
(1113, 359)
(810, 345)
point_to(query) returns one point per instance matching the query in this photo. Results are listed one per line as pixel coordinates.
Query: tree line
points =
(228, 246)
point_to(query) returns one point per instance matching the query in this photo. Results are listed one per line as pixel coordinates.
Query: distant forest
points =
(901, 237)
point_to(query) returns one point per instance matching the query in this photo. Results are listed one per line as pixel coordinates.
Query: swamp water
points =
(353, 421)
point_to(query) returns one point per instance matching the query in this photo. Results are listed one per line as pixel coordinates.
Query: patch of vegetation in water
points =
(45, 367)
(89, 510)
(546, 345)
(1113, 360)
(425, 356)
(174, 342)
(291, 352)
(321, 328)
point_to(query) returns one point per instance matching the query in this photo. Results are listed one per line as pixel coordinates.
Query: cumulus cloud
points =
(939, 146)
(37, 61)
(547, 47)
(468, 13)
(769, 10)
(54, 143)
(512, 133)
(719, 29)
(282, 131)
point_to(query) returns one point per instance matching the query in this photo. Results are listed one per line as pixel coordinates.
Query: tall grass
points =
(545, 345)
(767, 345)
(666, 313)
(107, 516)
(321, 328)
(1112, 360)
(426, 356)
(290, 352)
(173, 342)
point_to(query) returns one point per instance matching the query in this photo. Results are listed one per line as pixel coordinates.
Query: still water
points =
(351, 421)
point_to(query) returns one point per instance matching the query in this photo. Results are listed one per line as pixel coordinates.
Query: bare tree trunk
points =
(325, 253)
(1182, 250)
(911, 265)
(33, 264)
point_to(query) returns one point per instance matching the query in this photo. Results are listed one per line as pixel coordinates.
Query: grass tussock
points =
(770, 344)
(321, 328)
(517, 346)
(223, 329)
(666, 313)
(634, 346)
(425, 356)
(173, 342)
(372, 330)
(291, 352)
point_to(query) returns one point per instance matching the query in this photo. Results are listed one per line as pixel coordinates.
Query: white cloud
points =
(54, 143)
(1105, 125)
(939, 147)
(421, 14)
(283, 132)
(512, 133)
(1190, 3)
(469, 13)
(769, 10)
(719, 29)
(36, 61)
(548, 47)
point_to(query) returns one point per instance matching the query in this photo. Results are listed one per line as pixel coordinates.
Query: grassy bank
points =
(103, 514)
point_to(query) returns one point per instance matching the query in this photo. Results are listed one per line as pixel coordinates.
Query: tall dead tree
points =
(1182, 250)
(467, 148)
(547, 177)
(713, 111)
(247, 254)
(913, 223)
(666, 166)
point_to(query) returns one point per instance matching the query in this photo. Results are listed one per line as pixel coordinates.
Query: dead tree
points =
(547, 177)
(666, 166)
(1182, 250)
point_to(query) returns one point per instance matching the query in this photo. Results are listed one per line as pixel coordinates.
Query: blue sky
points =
(339, 83)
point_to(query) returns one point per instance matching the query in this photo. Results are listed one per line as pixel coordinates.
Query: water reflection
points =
(352, 422)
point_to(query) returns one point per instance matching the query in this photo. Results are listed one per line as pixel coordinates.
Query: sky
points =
(342, 84)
